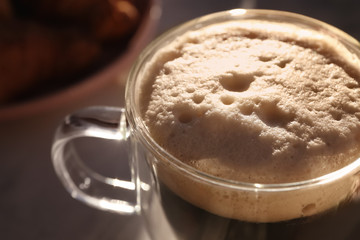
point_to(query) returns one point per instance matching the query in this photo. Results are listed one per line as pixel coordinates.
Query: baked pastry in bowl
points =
(54, 51)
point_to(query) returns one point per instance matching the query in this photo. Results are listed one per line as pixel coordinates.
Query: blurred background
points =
(51, 66)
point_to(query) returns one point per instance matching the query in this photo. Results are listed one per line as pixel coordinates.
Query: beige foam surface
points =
(255, 101)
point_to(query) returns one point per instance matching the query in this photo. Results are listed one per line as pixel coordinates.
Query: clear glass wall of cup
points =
(167, 193)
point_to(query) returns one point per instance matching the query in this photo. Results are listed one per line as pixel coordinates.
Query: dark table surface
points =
(33, 203)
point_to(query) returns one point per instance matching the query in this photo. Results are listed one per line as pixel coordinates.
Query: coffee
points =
(192, 223)
(256, 102)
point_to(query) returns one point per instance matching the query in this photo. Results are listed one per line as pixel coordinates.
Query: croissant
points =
(32, 54)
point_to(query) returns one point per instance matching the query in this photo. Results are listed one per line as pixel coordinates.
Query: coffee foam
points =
(258, 102)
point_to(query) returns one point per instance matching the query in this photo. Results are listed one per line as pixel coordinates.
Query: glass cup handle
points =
(80, 181)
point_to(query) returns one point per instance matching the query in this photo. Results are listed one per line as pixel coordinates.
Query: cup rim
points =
(142, 133)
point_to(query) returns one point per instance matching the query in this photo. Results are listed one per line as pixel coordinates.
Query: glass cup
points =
(180, 202)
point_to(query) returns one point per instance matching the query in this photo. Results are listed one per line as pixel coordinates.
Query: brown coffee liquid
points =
(192, 223)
